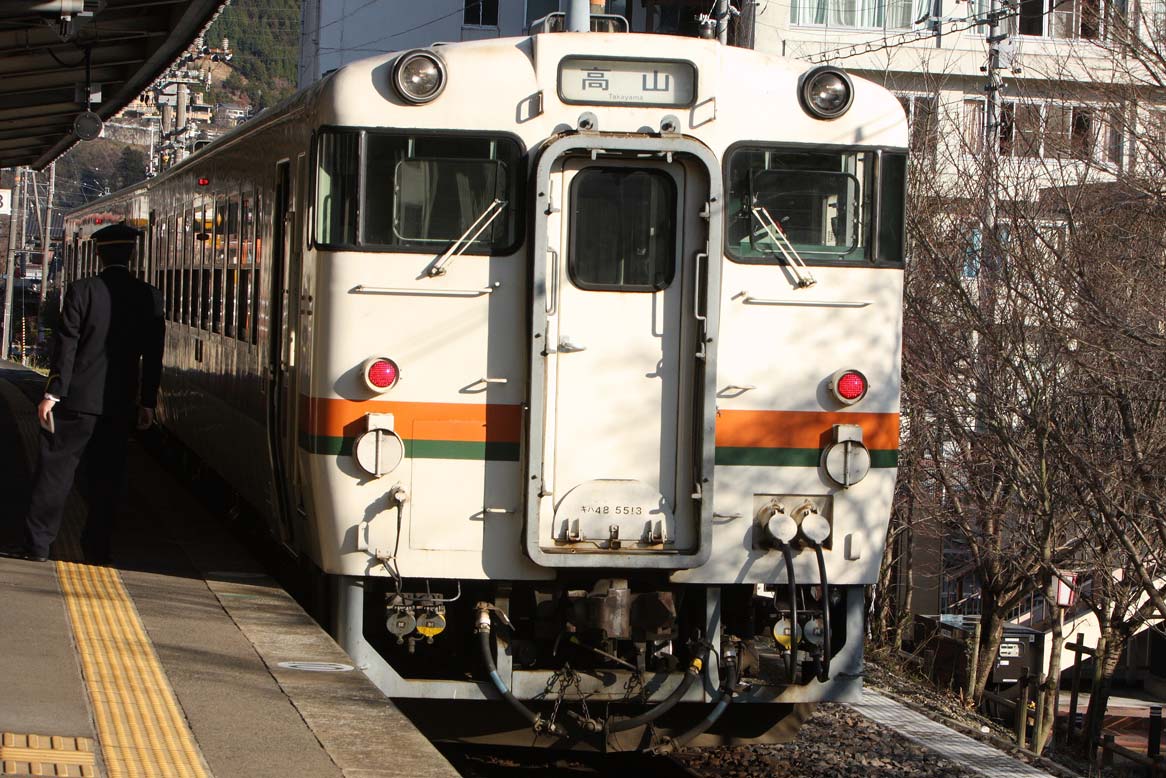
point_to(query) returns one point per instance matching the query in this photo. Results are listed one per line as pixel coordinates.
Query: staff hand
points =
(145, 417)
(44, 410)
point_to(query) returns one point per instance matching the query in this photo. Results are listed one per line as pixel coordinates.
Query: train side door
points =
(281, 408)
(620, 452)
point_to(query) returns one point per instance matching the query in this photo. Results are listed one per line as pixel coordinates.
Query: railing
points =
(1100, 744)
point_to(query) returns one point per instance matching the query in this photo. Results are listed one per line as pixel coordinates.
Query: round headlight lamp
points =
(826, 92)
(419, 76)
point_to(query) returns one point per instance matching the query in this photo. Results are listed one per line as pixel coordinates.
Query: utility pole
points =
(46, 256)
(993, 87)
(722, 18)
(15, 223)
(747, 24)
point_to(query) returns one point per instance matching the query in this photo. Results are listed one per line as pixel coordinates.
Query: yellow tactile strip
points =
(46, 755)
(140, 728)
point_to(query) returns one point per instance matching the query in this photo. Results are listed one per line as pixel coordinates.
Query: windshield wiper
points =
(776, 234)
(459, 246)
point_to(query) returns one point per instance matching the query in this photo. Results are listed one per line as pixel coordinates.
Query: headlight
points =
(826, 92)
(419, 76)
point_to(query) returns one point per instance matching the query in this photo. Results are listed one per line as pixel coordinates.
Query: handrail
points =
(362, 289)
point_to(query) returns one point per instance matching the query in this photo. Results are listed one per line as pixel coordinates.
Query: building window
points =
(860, 14)
(923, 122)
(975, 117)
(480, 13)
(1065, 19)
(537, 9)
(1048, 130)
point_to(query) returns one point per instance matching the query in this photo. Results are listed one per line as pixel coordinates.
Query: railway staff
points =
(104, 375)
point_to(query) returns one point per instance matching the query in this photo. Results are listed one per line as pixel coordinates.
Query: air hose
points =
(726, 697)
(824, 672)
(792, 657)
(665, 705)
(537, 723)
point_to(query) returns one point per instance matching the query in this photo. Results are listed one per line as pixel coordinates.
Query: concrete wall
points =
(336, 32)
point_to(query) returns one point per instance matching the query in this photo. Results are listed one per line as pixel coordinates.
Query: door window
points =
(623, 230)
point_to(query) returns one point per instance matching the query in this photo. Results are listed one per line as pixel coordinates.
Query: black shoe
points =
(22, 552)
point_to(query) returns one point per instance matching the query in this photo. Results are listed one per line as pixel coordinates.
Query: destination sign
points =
(601, 81)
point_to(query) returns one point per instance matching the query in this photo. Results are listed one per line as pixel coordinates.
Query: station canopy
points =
(59, 58)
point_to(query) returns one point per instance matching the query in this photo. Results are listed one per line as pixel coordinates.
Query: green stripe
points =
(791, 457)
(508, 452)
(419, 449)
(768, 457)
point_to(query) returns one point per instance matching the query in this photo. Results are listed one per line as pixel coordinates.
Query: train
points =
(568, 364)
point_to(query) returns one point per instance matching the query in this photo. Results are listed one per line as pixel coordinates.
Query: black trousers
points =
(102, 442)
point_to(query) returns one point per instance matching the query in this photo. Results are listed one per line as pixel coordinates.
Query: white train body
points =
(605, 395)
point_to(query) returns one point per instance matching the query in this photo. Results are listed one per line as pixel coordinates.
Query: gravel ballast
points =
(836, 741)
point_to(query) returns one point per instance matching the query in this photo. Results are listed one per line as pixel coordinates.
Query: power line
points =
(356, 10)
(361, 46)
(910, 36)
(884, 43)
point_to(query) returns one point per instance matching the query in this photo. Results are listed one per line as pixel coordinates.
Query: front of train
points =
(600, 433)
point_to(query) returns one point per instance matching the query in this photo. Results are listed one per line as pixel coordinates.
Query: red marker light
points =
(381, 373)
(849, 386)
(203, 181)
(98, 220)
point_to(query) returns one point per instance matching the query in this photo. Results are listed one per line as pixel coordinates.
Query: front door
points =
(621, 364)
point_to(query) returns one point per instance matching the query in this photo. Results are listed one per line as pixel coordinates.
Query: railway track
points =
(508, 762)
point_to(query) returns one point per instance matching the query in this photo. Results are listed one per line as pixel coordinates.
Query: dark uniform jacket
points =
(108, 341)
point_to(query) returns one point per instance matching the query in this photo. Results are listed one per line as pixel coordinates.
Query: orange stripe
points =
(439, 421)
(503, 423)
(802, 429)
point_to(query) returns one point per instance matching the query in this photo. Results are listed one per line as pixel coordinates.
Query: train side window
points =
(183, 236)
(218, 257)
(892, 205)
(231, 241)
(196, 297)
(158, 257)
(174, 263)
(337, 188)
(623, 229)
(257, 262)
(246, 259)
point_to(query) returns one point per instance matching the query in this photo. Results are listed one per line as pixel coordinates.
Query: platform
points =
(956, 746)
(180, 659)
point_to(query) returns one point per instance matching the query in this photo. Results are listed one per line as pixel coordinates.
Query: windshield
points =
(820, 204)
(420, 193)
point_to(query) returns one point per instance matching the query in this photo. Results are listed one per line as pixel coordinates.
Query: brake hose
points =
(824, 672)
(665, 705)
(537, 723)
(726, 697)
